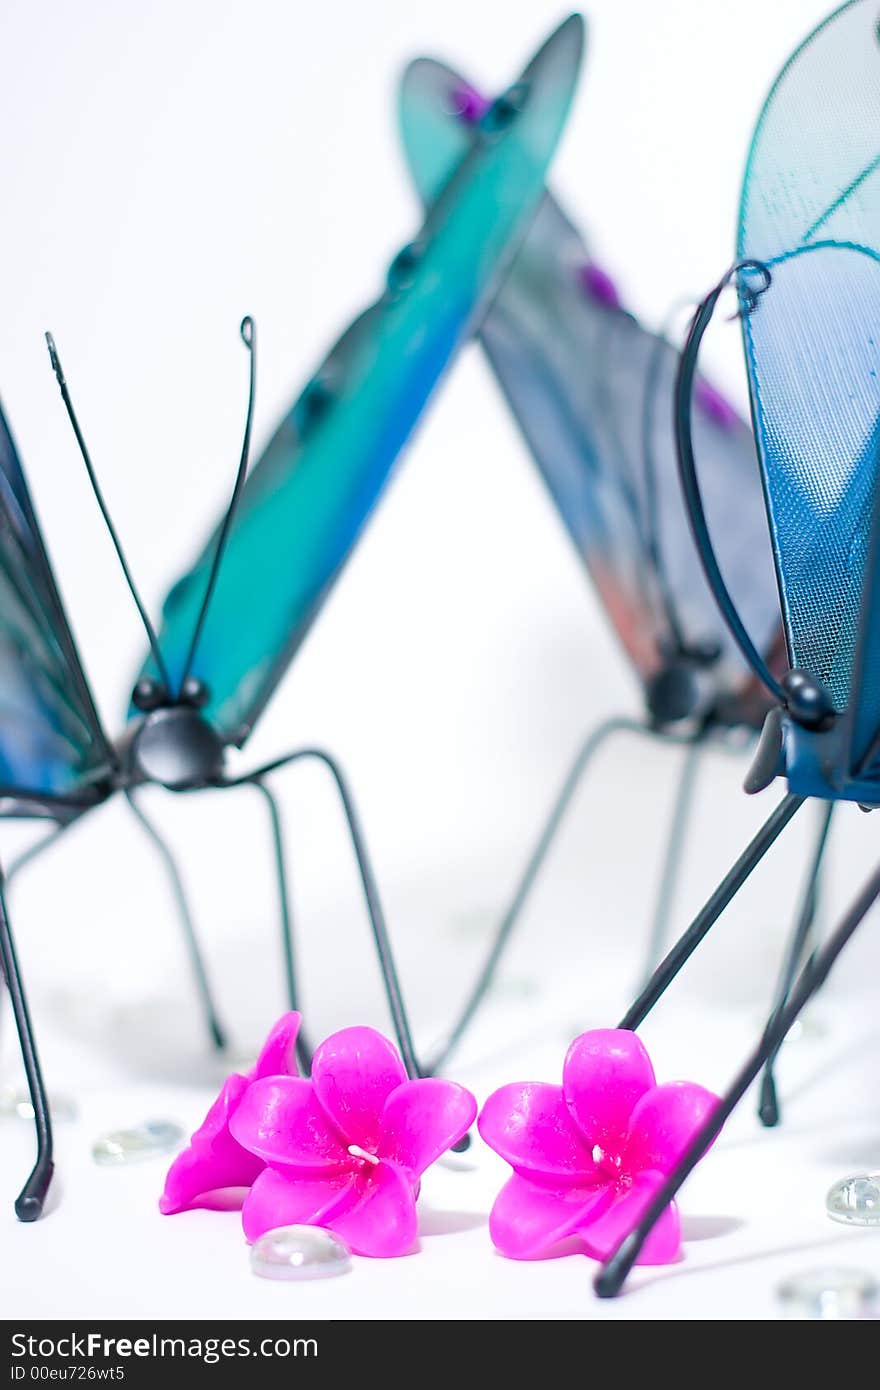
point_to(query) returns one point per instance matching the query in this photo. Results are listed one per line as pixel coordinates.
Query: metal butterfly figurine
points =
(291, 523)
(592, 391)
(808, 283)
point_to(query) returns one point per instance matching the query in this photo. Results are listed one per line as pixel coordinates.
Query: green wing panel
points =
(313, 489)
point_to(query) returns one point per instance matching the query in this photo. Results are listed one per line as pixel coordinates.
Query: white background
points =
(165, 169)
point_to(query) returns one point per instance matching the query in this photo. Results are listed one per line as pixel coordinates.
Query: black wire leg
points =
(215, 1029)
(611, 1276)
(684, 799)
(707, 916)
(26, 857)
(376, 915)
(544, 843)
(303, 1050)
(796, 953)
(30, 1201)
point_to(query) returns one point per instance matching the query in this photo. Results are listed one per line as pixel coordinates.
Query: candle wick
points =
(357, 1152)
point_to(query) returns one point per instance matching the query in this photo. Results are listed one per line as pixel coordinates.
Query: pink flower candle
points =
(345, 1149)
(589, 1155)
(214, 1163)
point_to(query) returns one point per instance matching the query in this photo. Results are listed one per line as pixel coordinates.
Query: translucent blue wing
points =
(51, 740)
(811, 213)
(860, 751)
(317, 482)
(592, 392)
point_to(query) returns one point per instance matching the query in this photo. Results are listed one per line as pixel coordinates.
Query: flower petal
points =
(284, 1199)
(382, 1221)
(353, 1073)
(663, 1123)
(528, 1220)
(213, 1159)
(280, 1120)
(530, 1126)
(277, 1057)
(605, 1072)
(422, 1119)
(603, 1232)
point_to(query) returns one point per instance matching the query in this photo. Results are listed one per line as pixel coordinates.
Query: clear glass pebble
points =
(120, 1146)
(806, 1029)
(299, 1252)
(830, 1294)
(15, 1104)
(855, 1200)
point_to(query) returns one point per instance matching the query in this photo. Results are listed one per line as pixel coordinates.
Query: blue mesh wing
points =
(592, 392)
(811, 213)
(51, 740)
(861, 742)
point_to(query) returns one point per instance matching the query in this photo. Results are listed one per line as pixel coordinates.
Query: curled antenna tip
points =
(53, 356)
(748, 293)
(246, 330)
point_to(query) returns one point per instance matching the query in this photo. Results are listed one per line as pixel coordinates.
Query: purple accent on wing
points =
(599, 285)
(713, 404)
(469, 104)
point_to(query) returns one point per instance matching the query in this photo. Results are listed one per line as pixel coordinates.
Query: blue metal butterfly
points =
(290, 526)
(808, 283)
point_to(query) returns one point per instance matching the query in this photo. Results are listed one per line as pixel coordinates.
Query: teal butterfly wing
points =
(53, 750)
(314, 487)
(810, 212)
(591, 390)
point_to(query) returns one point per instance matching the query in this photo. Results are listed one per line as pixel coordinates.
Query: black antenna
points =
(148, 626)
(249, 338)
(687, 467)
(649, 467)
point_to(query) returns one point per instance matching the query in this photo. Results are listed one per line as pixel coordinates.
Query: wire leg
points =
(303, 1050)
(613, 1273)
(30, 1201)
(26, 857)
(387, 965)
(368, 884)
(535, 863)
(798, 951)
(707, 916)
(212, 1021)
(684, 800)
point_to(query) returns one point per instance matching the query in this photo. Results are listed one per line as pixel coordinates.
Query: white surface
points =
(752, 1214)
(166, 169)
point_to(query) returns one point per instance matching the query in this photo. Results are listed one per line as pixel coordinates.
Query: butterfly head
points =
(175, 745)
(150, 694)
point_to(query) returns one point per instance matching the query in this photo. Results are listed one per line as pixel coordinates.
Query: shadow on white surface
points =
(708, 1227)
(434, 1222)
(667, 1273)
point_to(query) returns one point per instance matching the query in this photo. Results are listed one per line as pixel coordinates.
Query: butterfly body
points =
(813, 764)
(174, 747)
